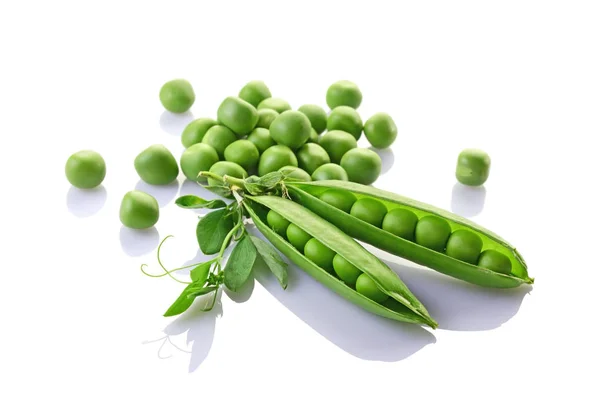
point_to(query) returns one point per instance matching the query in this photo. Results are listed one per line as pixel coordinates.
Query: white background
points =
(81, 326)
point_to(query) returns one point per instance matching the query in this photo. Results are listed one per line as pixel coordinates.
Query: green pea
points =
(85, 169)
(363, 165)
(347, 119)
(156, 165)
(238, 115)
(195, 131)
(293, 172)
(314, 136)
(342, 200)
(244, 153)
(255, 92)
(219, 137)
(139, 210)
(367, 287)
(473, 167)
(223, 168)
(317, 116)
(346, 271)
(275, 158)
(343, 93)
(277, 223)
(261, 138)
(329, 171)
(197, 158)
(319, 254)
(337, 143)
(495, 261)
(177, 95)
(464, 245)
(432, 232)
(311, 156)
(277, 104)
(291, 128)
(266, 117)
(297, 237)
(401, 222)
(380, 130)
(369, 210)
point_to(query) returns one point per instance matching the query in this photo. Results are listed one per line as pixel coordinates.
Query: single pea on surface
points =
(317, 116)
(295, 173)
(311, 156)
(219, 137)
(319, 254)
(495, 261)
(177, 95)
(197, 158)
(401, 222)
(369, 210)
(464, 245)
(362, 165)
(342, 200)
(261, 138)
(85, 169)
(297, 236)
(223, 168)
(432, 232)
(275, 158)
(346, 271)
(255, 92)
(139, 210)
(156, 165)
(277, 104)
(277, 223)
(473, 167)
(195, 130)
(244, 153)
(380, 130)
(337, 143)
(291, 128)
(266, 117)
(329, 171)
(367, 287)
(238, 115)
(343, 93)
(347, 119)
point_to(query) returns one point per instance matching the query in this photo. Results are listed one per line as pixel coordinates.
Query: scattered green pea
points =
(277, 104)
(244, 153)
(342, 200)
(473, 167)
(156, 165)
(195, 131)
(401, 222)
(139, 210)
(293, 172)
(266, 117)
(432, 232)
(85, 169)
(367, 287)
(275, 158)
(314, 136)
(380, 130)
(319, 254)
(347, 119)
(297, 237)
(219, 137)
(291, 128)
(362, 165)
(277, 223)
(329, 171)
(177, 95)
(346, 271)
(317, 116)
(255, 92)
(238, 115)
(261, 138)
(495, 261)
(223, 168)
(337, 143)
(197, 158)
(464, 245)
(343, 93)
(311, 156)
(369, 210)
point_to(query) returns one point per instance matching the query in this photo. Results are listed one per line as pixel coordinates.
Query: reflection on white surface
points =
(85, 202)
(193, 188)
(458, 305)
(175, 123)
(164, 194)
(467, 201)
(387, 158)
(136, 242)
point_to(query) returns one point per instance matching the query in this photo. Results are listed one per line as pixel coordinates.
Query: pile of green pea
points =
(429, 231)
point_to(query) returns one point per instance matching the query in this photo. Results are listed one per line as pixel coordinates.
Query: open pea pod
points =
(307, 194)
(410, 310)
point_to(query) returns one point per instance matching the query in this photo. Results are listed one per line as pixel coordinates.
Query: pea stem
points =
(212, 175)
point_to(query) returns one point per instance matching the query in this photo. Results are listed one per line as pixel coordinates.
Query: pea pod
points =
(411, 310)
(308, 193)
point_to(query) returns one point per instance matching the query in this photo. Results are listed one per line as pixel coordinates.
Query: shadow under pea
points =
(164, 194)
(175, 123)
(467, 201)
(84, 203)
(137, 242)
(387, 158)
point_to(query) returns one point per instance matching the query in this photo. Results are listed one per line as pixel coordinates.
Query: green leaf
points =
(195, 202)
(271, 257)
(212, 230)
(200, 273)
(220, 190)
(182, 303)
(240, 263)
(201, 291)
(271, 179)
